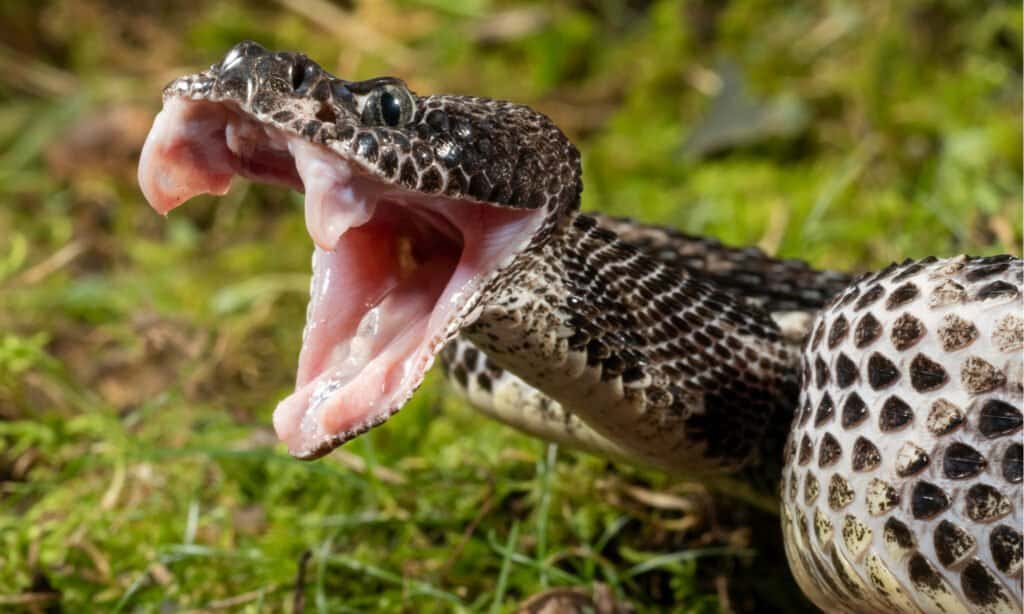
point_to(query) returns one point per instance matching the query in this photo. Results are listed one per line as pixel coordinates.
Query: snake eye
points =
(303, 75)
(389, 105)
(390, 109)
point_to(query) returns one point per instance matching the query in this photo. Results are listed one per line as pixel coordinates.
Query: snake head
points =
(459, 147)
(415, 205)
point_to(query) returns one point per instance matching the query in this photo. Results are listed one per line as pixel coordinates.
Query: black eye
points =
(303, 75)
(390, 109)
(385, 104)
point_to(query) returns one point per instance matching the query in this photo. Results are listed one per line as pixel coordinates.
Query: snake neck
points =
(682, 374)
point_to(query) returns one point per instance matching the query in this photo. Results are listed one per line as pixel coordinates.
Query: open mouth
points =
(396, 273)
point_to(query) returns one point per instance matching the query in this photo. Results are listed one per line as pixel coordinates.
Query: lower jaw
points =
(369, 336)
(383, 303)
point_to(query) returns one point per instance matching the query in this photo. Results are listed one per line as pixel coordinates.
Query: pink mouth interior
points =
(394, 271)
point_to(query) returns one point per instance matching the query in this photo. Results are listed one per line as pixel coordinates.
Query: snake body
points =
(676, 352)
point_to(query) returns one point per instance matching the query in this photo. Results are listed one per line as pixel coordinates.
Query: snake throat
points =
(395, 272)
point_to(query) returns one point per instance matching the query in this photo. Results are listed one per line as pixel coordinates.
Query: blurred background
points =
(141, 357)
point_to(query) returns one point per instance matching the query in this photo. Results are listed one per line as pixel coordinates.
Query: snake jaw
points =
(396, 273)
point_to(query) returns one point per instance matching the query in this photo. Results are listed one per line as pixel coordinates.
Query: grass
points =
(140, 358)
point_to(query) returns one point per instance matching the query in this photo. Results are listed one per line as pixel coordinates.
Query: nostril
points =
(326, 114)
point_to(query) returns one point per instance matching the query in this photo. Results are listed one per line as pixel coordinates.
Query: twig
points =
(27, 598)
(56, 261)
(469, 530)
(299, 602)
(29, 75)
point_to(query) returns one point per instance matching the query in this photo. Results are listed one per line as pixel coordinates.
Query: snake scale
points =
(884, 410)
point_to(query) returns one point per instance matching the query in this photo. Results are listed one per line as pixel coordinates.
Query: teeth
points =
(332, 204)
(362, 343)
(352, 355)
(231, 137)
(244, 137)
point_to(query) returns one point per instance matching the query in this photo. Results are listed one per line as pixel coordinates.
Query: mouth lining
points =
(396, 273)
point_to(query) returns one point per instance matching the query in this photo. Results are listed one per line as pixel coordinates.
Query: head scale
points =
(461, 147)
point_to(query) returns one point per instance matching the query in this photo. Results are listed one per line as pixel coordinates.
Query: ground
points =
(141, 357)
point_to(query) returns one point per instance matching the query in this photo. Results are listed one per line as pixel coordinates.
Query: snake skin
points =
(683, 375)
(502, 395)
(784, 288)
(677, 352)
(903, 470)
(453, 146)
(778, 285)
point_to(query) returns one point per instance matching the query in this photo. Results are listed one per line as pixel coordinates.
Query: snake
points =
(882, 412)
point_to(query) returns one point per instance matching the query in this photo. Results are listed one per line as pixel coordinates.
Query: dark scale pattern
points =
(906, 331)
(866, 456)
(1006, 546)
(854, 411)
(898, 536)
(895, 414)
(926, 580)
(821, 374)
(771, 283)
(901, 296)
(826, 409)
(846, 371)
(997, 290)
(870, 296)
(928, 500)
(926, 374)
(881, 371)
(680, 352)
(952, 543)
(908, 365)
(806, 450)
(962, 461)
(837, 333)
(829, 452)
(998, 418)
(981, 588)
(819, 334)
(867, 331)
(985, 503)
(805, 414)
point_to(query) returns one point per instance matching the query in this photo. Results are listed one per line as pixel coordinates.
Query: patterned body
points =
(777, 285)
(789, 290)
(902, 488)
(681, 374)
